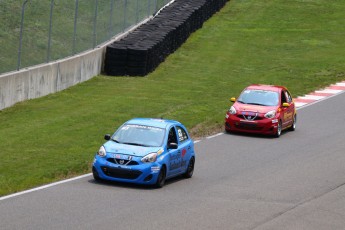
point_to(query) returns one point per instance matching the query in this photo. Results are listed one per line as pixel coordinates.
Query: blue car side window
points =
(172, 136)
(182, 134)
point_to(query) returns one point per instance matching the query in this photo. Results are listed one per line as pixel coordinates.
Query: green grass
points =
(294, 43)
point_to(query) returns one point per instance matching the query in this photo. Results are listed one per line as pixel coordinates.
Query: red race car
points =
(262, 109)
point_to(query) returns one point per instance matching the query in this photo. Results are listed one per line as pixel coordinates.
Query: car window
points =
(288, 96)
(259, 97)
(139, 135)
(283, 97)
(172, 136)
(182, 134)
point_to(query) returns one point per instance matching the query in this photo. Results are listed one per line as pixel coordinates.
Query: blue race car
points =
(145, 151)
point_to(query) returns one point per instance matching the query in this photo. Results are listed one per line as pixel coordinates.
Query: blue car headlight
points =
(101, 152)
(149, 158)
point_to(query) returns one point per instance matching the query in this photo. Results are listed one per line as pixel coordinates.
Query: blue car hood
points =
(133, 150)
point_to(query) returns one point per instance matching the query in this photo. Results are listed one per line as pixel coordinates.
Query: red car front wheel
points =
(279, 129)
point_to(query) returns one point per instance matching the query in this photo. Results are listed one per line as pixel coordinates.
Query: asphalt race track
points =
(240, 182)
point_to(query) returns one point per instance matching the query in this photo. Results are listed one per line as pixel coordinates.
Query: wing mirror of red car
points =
(107, 137)
(172, 145)
(285, 104)
(233, 99)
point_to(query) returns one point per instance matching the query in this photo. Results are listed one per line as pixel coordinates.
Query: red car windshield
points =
(259, 97)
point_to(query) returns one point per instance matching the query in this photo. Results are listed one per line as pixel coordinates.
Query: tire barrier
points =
(142, 50)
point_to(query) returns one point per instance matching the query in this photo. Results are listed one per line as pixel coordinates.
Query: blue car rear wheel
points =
(190, 168)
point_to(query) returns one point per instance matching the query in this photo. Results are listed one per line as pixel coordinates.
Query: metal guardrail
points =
(44, 31)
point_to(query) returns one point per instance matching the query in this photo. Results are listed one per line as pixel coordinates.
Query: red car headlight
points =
(232, 110)
(271, 114)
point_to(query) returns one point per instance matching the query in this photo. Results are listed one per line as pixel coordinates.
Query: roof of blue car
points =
(155, 122)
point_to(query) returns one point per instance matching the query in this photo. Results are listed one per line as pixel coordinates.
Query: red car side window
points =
(283, 98)
(288, 96)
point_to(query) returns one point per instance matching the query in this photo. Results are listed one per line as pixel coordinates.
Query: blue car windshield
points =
(140, 135)
(259, 97)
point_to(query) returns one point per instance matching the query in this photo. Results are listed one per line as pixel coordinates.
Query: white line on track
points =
(302, 105)
(44, 187)
(216, 135)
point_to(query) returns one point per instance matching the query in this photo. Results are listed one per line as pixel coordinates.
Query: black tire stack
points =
(142, 50)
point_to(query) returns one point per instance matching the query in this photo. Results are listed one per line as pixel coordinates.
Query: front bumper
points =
(143, 173)
(262, 126)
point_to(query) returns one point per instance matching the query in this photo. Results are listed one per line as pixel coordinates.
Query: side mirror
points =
(172, 145)
(107, 137)
(285, 104)
(233, 99)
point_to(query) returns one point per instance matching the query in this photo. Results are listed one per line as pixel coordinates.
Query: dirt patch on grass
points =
(203, 130)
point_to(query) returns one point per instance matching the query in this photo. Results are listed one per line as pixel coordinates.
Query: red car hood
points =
(254, 108)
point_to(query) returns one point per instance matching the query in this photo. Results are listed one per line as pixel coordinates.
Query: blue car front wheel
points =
(161, 177)
(95, 174)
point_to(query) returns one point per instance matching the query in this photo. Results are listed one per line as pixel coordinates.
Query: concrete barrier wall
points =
(42, 80)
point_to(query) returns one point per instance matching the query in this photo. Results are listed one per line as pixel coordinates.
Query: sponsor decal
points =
(141, 127)
(184, 151)
(175, 165)
(248, 113)
(287, 116)
(176, 160)
(159, 152)
(174, 157)
(178, 165)
(155, 169)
